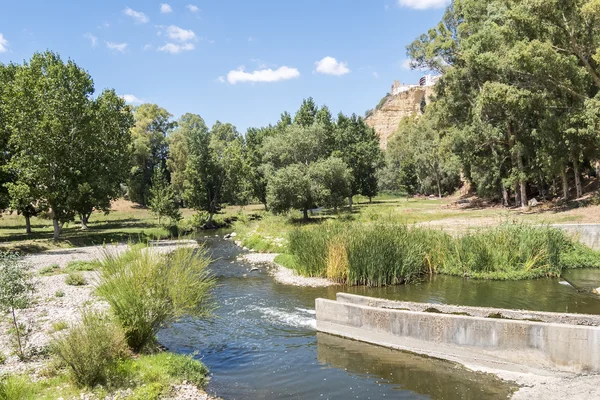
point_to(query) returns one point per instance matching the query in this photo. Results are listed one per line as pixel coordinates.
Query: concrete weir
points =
(477, 337)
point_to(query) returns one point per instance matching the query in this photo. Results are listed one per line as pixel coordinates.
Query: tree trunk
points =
(505, 200)
(18, 334)
(57, 228)
(209, 223)
(522, 183)
(350, 202)
(27, 224)
(370, 199)
(517, 195)
(305, 211)
(439, 187)
(578, 187)
(565, 185)
(84, 218)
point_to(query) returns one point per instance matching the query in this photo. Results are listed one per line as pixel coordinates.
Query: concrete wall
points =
(515, 345)
(588, 234)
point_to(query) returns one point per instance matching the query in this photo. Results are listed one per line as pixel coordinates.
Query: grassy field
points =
(130, 223)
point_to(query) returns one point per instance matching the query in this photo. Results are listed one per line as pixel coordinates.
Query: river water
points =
(262, 343)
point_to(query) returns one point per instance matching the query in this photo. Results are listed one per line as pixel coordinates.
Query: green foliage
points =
(16, 292)
(59, 293)
(59, 326)
(75, 279)
(92, 349)
(147, 291)
(16, 388)
(2, 358)
(150, 148)
(387, 254)
(82, 265)
(162, 201)
(97, 149)
(50, 269)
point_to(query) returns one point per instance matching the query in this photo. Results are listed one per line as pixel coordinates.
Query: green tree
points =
(306, 114)
(7, 73)
(150, 148)
(16, 290)
(179, 149)
(162, 201)
(50, 135)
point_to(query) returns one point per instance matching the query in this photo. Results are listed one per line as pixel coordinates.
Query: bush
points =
(59, 326)
(147, 291)
(75, 279)
(82, 266)
(2, 358)
(92, 349)
(50, 269)
(59, 293)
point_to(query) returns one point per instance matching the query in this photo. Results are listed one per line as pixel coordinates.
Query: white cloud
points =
(117, 46)
(147, 47)
(174, 48)
(423, 4)
(3, 44)
(129, 98)
(138, 16)
(375, 75)
(406, 64)
(262, 75)
(221, 79)
(192, 8)
(93, 39)
(165, 8)
(179, 34)
(330, 66)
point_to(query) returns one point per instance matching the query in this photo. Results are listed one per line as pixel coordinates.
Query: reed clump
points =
(382, 254)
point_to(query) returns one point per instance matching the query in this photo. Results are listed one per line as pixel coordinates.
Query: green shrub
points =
(16, 387)
(2, 358)
(92, 349)
(50, 269)
(59, 293)
(82, 266)
(75, 279)
(147, 291)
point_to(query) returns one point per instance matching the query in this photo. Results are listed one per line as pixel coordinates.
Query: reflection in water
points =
(262, 344)
(584, 280)
(435, 378)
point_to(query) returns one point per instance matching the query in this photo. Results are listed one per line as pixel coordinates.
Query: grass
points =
(147, 377)
(59, 326)
(146, 290)
(75, 279)
(380, 254)
(50, 270)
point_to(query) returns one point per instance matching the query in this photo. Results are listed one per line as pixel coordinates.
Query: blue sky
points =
(236, 61)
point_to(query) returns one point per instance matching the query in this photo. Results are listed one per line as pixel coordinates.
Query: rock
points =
(238, 243)
(533, 202)
(233, 234)
(255, 269)
(596, 291)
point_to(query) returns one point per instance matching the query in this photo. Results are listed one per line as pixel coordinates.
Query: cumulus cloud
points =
(165, 8)
(3, 44)
(175, 48)
(129, 98)
(179, 34)
(117, 46)
(93, 39)
(138, 16)
(423, 4)
(192, 8)
(331, 66)
(262, 75)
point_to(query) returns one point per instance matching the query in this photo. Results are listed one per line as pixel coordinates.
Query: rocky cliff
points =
(386, 118)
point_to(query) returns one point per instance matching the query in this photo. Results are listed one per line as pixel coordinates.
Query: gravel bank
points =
(282, 274)
(49, 309)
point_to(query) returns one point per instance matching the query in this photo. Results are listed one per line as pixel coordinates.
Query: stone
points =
(533, 202)
(596, 291)
(233, 234)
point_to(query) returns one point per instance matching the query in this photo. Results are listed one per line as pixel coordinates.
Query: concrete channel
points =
(481, 338)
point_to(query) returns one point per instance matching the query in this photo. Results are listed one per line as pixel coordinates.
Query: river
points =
(262, 343)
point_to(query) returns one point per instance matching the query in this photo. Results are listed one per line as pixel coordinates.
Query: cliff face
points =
(385, 120)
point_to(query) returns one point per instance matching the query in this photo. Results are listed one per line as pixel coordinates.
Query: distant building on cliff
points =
(402, 101)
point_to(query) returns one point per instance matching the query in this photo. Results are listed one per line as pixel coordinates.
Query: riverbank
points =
(58, 305)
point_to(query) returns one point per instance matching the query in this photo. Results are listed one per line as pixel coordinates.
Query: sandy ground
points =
(49, 309)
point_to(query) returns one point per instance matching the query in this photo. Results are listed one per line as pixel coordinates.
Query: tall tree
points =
(150, 148)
